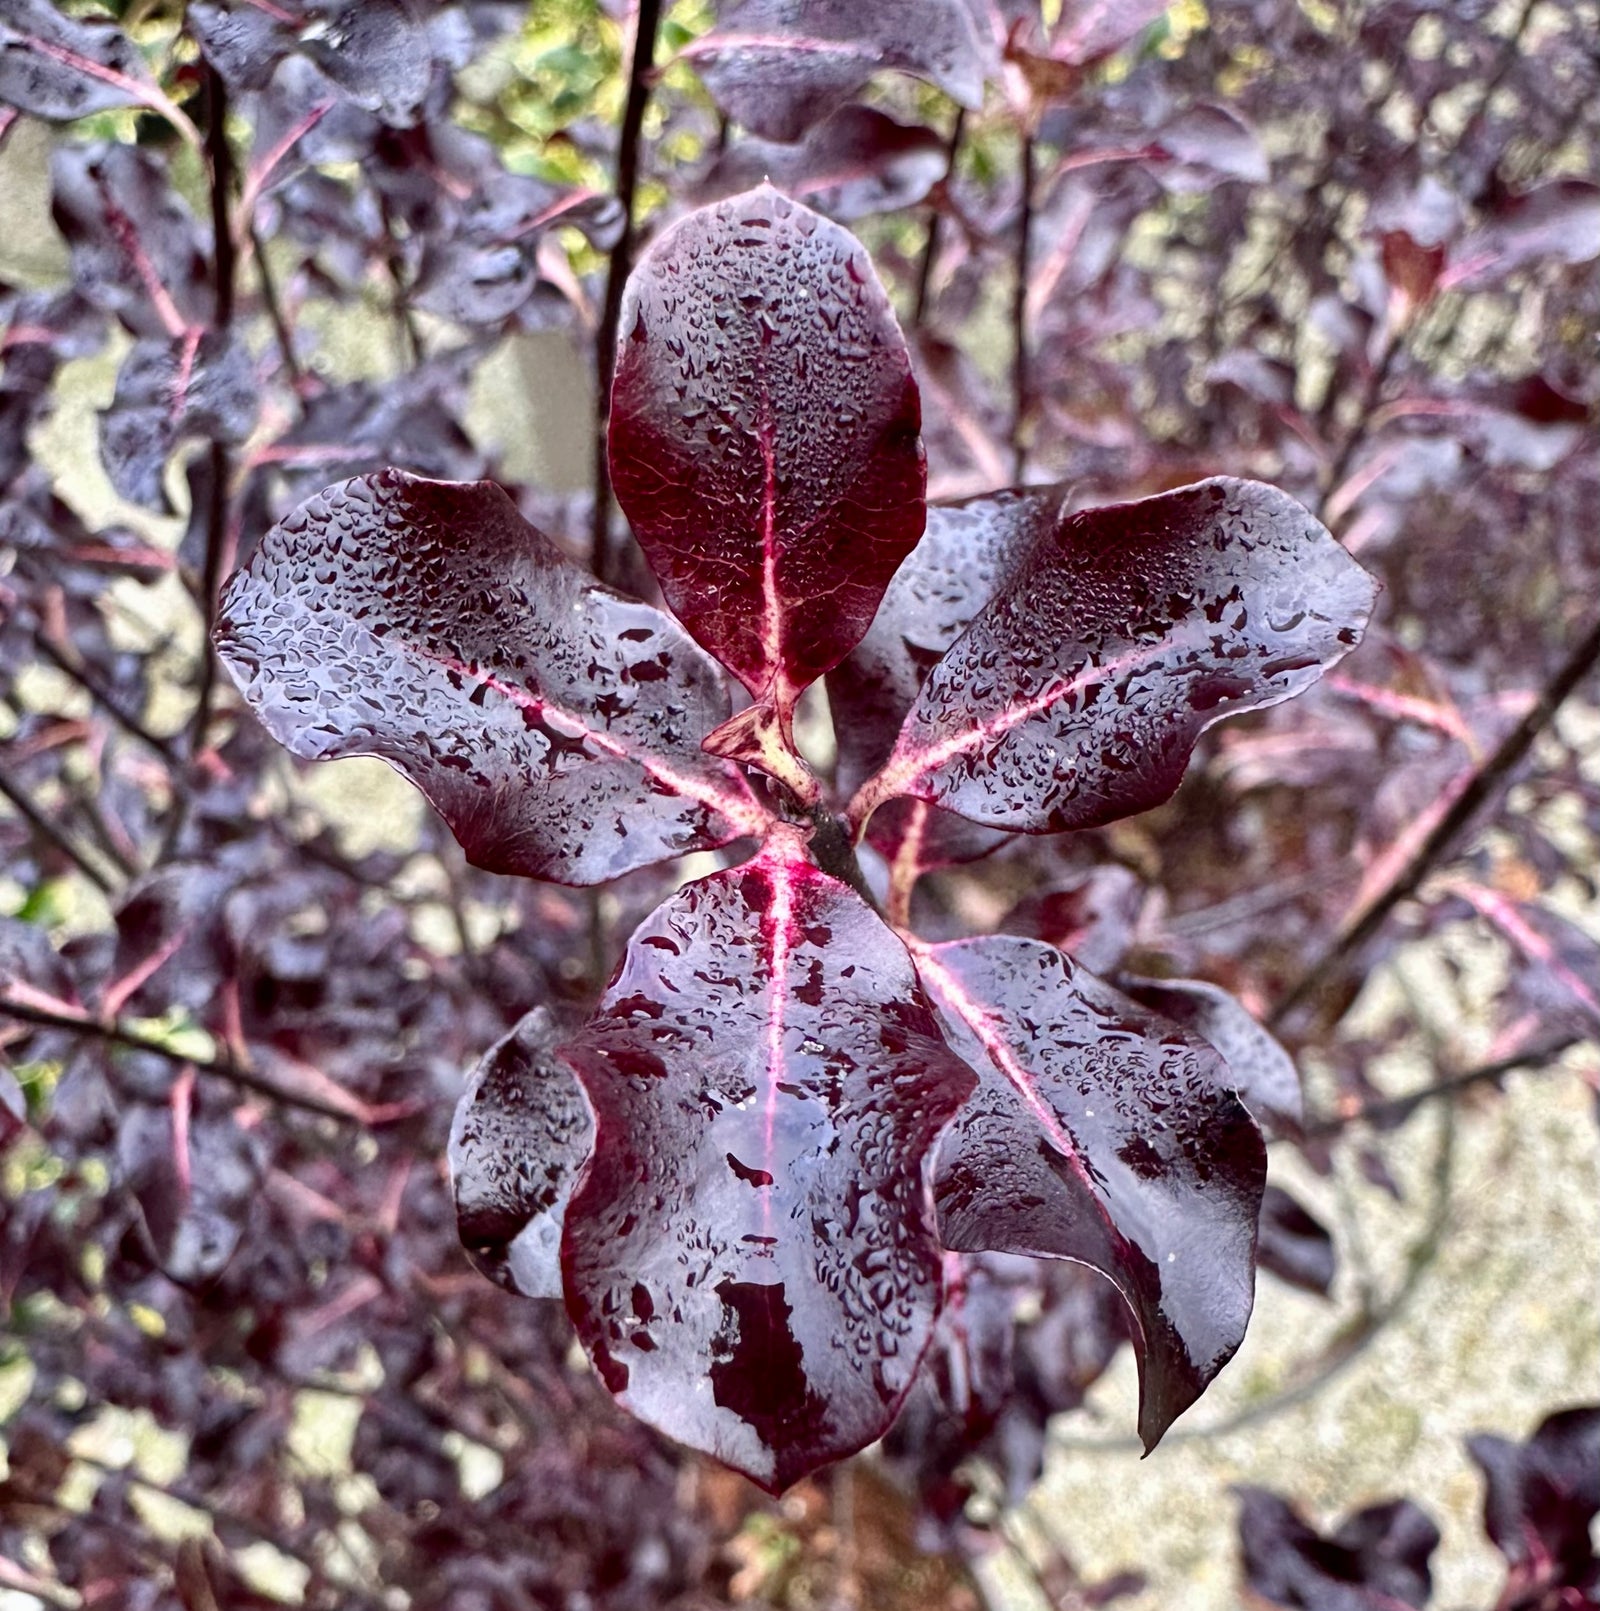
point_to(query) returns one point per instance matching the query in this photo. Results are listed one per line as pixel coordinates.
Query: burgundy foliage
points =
(898, 1074)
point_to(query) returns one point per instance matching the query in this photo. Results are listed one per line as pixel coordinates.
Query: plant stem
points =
(930, 246)
(1486, 781)
(225, 272)
(274, 306)
(51, 834)
(225, 1068)
(603, 556)
(71, 666)
(1020, 381)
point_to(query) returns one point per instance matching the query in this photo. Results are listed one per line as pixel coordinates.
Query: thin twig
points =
(71, 666)
(274, 306)
(602, 552)
(1020, 379)
(225, 271)
(52, 835)
(930, 246)
(1393, 1109)
(1486, 781)
(119, 1034)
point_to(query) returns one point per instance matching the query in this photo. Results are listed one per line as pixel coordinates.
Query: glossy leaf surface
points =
(522, 1132)
(751, 1257)
(778, 66)
(1103, 1134)
(763, 436)
(1259, 1069)
(966, 549)
(555, 724)
(1077, 695)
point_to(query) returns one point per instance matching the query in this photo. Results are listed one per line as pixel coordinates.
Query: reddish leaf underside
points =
(555, 724)
(1077, 695)
(763, 437)
(750, 1258)
(776, 66)
(1103, 1134)
(522, 1132)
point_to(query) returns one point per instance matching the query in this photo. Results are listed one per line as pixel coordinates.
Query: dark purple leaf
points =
(195, 1176)
(243, 42)
(554, 723)
(1259, 1069)
(764, 439)
(1103, 1134)
(1557, 223)
(379, 54)
(1293, 1245)
(1376, 1561)
(1092, 919)
(751, 1258)
(856, 162)
(965, 552)
(1205, 144)
(1092, 29)
(1077, 695)
(61, 67)
(522, 1132)
(1541, 1499)
(778, 66)
(137, 250)
(201, 384)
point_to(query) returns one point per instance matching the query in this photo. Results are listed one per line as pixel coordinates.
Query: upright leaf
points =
(1103, 1134)
(1077, 695)
(554, 723)
(764, 437)
(778, 66)
(521, 1134)
(751, 1257)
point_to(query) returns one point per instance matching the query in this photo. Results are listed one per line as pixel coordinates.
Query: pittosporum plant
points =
(744, 1171)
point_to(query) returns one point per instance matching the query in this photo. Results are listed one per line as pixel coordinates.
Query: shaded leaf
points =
(61, 67)
(763, 437)
(379, 54)
(751, 1259)
(855, 162)
(1294, 1245)
(1259, 1069)
(1077, 695)
(1103, 1134)
(1091, 919)
(1559, 222)
(522, 1132)
(1377, 1560)
(1205, 144)
(202, 384)
(1540, 1501)
(137, 250)
(779, 66)
(195, 1175)
(553, 722)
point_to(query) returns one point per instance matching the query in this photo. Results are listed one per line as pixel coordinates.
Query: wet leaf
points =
(1259, 1069)
(751, 1258)
(1092, 919)
(1077, 695)
(764, 437)
(522, 1132)
(1541, 1498)
(554, 723)
(779, 66)
(1377, 1560)
(202, 384)
(1106, 1135)
(856, 162)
